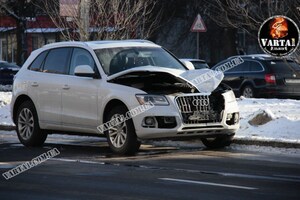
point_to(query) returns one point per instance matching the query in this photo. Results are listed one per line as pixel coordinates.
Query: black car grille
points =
(201, 108)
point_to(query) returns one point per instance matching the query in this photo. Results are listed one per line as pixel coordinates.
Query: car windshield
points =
(281, 66)
(114, 60)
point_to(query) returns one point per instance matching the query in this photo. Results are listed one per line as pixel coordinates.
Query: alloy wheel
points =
(25, 123)
(118, 133)
(248, 92)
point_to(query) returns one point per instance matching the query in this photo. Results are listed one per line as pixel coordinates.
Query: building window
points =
(35, 43)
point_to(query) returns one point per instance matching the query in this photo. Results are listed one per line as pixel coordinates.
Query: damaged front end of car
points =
(202, 108)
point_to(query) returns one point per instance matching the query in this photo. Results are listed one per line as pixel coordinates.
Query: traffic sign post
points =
(198, 26)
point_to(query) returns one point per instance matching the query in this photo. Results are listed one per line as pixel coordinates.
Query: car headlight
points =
(157, 100)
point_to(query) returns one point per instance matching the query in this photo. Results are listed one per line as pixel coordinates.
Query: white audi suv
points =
(127, 91)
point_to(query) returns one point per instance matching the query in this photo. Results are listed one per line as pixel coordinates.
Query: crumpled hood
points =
(205, 80)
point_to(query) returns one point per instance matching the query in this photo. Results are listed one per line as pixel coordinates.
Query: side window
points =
(255, 66)
(244, 67)
(37, 63)
(81, 57)
(57, 61)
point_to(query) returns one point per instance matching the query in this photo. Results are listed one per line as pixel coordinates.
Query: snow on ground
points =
(5, 98)
(284, 125)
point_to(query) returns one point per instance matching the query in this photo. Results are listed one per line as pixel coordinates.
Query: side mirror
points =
(188, 64)
(84, 71)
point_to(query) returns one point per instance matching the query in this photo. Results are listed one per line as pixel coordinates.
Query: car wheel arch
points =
(250, 85)
(110, 104)
(19, 100)
(247, 83)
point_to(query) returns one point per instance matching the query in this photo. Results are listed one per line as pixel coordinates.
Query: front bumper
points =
(181, 129)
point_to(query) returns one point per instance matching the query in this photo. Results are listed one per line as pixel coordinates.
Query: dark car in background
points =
(263, 76)
(7, 73)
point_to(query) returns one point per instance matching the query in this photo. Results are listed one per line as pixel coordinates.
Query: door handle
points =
(34, 84)
(66, 87)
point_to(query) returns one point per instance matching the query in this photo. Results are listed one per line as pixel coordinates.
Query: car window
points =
(37, 63)
(81, 57)
(57, 61)
(255, 66)
(244, 67)
(280, 66)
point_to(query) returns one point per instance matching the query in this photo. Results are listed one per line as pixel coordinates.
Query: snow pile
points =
(261, 117)
(283, 119)
(5, 98)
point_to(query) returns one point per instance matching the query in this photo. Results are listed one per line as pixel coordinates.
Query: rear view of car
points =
(264, 76)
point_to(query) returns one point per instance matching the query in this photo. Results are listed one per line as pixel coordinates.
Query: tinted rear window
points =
(283, 67)
(255, 66)
(243, 67)
(37, 63)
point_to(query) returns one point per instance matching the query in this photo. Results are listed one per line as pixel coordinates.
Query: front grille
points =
(200, 108)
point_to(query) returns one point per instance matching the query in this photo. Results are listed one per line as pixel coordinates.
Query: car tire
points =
(248, 91)
(121, 137)
(217, 142)
(27, 126)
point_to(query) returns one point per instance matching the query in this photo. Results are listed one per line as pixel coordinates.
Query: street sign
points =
(198, 25)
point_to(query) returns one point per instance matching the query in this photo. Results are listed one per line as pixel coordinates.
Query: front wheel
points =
(217, 142)
(121, 135)
(27, 126)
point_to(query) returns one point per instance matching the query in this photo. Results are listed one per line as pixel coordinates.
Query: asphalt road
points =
(86, 169)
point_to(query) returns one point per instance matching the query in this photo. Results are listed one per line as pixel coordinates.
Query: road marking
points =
(226, 174)
(79, 161)
(208, 183)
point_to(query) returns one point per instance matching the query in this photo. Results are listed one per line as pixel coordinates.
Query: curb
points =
(277, 144)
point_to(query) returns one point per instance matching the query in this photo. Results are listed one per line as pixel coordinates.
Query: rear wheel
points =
(217, 142)
(27, 126)
(248, 91)
(121, 137)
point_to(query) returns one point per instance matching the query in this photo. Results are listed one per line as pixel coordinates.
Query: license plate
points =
(292, 81)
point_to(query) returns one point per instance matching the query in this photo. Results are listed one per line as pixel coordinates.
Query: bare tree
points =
(18, 11)
(102, 19)
(249, 15)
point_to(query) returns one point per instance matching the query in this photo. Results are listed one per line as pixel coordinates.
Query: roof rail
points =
(140, 40)
(65, 43)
